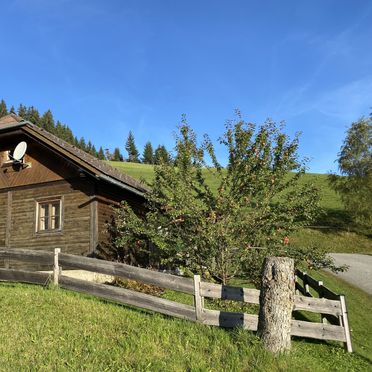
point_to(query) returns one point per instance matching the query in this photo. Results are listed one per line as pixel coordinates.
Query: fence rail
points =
(331, 306)
(337, 318)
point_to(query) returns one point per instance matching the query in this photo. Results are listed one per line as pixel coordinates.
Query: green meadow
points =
(333, 232)
(57, 330)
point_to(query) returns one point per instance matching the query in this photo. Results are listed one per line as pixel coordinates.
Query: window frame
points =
(49, 201)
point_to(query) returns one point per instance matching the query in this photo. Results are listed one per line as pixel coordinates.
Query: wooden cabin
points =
(56, 196)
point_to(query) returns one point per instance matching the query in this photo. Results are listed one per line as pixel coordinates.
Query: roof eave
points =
(122, 185)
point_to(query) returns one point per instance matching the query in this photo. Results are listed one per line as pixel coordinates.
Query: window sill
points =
(48, 232)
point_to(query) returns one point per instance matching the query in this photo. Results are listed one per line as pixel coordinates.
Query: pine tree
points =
(148, 154)
(82, 145)
(12, 109)
(22, 111)
(59, 130)
(3, 109)
(94, 151)
(117, 155)
(89, 147)
(130, 146)
(101, 154)
(33, 116)
(162, 155)
(47, 122)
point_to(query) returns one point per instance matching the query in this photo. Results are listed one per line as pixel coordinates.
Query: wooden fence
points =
(331, 306)
(305, 282)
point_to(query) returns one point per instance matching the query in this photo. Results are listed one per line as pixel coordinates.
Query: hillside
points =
(334, 233)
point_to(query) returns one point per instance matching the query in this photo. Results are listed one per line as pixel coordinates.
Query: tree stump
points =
(276, 303)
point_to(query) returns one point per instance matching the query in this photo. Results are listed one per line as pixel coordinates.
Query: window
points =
(48, 215)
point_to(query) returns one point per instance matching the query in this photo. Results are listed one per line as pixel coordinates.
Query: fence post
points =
(306, 286)
(276, 303)
(323, 318)
(198, 299)
(345, 324)
(56, 266)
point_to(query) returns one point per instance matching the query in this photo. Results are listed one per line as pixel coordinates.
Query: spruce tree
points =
(101, 154)
(117, 155)
(33, 116)
(162, 155)
(130, 146)
(3, 109)
(148, 154)
(22, 111)
(82, 145)
(94, 151)
(89, 147)
(47, 122)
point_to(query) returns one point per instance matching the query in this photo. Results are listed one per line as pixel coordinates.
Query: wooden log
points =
(317, 305)
(318, 331)
(128, 297)
(249, 295)
(25, 255)
(22, 276)
(276, 303)
(126, 271)
(230, 320)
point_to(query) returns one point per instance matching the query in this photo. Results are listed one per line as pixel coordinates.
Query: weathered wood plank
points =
(198, 299)
(25, 255)
(128, 297)
(225, 292)
(230, 320)
(319, 331)
(345, 321)
(317, 305)
(129, 272)
(22, 276)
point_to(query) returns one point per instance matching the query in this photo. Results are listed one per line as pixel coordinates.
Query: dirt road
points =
(360, 269)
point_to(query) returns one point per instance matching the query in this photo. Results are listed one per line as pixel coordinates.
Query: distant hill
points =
(330, 200)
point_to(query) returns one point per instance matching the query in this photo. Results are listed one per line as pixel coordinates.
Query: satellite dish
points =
(19, 151)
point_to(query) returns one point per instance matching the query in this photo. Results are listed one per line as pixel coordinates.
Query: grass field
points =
(338, 237)
(60, 330)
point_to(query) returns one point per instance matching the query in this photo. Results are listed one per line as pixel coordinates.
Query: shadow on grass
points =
(342, 220)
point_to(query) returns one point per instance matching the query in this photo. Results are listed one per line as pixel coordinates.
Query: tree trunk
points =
(276, 303)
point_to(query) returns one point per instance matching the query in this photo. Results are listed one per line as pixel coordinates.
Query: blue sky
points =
(105, 67)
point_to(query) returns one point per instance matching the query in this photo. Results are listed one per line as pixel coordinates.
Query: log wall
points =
(74, 237)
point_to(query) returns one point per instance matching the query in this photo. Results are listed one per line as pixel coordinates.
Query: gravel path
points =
(360, 269)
